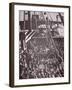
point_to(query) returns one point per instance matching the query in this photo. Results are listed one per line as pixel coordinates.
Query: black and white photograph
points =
(39, 44)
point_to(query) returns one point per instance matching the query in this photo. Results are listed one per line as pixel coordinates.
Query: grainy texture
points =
(41, 44)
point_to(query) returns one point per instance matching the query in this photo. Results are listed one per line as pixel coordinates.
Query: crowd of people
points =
(40, 65)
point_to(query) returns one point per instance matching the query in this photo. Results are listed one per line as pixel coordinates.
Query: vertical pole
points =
(29, 21)
(24, 32)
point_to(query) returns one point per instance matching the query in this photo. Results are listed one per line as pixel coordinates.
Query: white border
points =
(16, 45)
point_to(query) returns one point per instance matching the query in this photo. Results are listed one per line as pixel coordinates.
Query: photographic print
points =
(41, 45)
